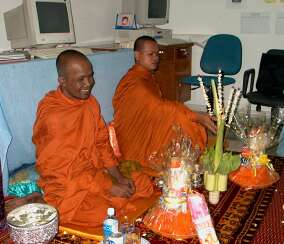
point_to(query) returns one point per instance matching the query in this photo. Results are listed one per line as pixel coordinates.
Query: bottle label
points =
(110, 226)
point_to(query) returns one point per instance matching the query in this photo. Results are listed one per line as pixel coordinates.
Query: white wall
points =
(211, 17)
(93, 20)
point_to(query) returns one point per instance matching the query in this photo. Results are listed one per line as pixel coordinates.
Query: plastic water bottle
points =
(110, 225)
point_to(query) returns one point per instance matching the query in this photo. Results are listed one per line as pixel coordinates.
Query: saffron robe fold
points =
(143, 119)
(72, 154)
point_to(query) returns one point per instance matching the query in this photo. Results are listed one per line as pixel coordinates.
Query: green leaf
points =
(207, 158)
(236, 162)
(224, 165)
(229, 162)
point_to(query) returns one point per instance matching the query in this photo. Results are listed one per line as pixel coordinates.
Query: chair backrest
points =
(270, 80)
(276, 51)
(222, 51)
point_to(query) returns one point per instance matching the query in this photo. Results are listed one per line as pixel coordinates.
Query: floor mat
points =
(237, 217)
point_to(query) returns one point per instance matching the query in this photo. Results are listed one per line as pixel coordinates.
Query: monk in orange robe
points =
(143, 119)
(78, 170)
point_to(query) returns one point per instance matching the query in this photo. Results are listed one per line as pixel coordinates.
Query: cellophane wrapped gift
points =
(258, 132)
(171, 217)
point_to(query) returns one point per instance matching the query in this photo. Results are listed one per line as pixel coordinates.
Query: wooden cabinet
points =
(175, 62)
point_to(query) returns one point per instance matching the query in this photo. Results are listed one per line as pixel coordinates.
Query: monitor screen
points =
(157, 9)
(52, 17)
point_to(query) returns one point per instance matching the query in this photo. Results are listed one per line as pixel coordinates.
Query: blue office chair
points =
(221, 52)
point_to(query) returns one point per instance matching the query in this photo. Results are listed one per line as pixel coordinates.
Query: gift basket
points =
(258, 132)
(171, 216)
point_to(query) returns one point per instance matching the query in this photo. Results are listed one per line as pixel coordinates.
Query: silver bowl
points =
(34, 223)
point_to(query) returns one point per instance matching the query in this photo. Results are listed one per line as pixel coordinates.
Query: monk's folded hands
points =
(120, 190)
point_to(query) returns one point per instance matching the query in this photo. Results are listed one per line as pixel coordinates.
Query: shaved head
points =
(64, 58)
(146, 53)
(140, 41)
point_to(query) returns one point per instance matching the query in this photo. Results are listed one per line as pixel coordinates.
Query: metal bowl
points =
(33, 223)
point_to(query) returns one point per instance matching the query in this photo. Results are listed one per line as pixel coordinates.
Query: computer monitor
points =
(40, 22)
(148, 12)
(152, 12)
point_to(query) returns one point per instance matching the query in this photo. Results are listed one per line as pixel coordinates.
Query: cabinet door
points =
(166, 73)
(183, 68)
(175, 62)
(183, 60)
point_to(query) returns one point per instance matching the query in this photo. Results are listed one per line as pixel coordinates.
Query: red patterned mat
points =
(4, 237)
(240, 217)
(239, 214)
(274, 218)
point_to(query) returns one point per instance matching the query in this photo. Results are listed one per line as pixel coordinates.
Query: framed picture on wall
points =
(125, 21)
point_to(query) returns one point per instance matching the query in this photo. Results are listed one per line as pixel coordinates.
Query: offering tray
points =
(33, 223)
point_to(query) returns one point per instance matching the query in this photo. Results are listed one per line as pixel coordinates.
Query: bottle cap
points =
(110, 211)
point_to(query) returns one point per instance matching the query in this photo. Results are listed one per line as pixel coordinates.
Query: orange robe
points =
(143, 119)
(73, 152)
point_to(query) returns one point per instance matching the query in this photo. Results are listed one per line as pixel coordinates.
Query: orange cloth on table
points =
(246, 177)
(73, 152)
(143, 119)
(170, 223)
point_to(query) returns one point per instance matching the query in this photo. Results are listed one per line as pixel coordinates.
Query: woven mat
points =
(274, 218)
(237, 217)
(239, 214)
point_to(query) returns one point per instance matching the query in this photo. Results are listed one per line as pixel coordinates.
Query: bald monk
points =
(143, 119)
(78, 170)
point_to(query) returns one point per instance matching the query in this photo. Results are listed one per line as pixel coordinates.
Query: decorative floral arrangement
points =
(218, 164)
(257, 133)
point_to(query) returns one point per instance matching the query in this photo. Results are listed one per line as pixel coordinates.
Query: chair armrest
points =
(250, 73)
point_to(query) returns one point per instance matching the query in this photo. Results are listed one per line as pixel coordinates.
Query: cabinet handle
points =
(183, 51)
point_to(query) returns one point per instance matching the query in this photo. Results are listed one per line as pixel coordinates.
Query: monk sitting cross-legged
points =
(78, 170)
(143, 119)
